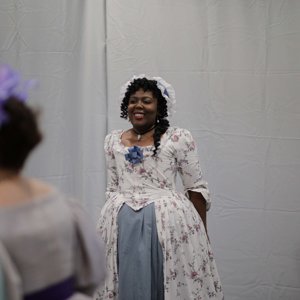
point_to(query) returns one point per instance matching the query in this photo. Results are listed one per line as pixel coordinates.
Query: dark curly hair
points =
(19, 135)
(162, 124)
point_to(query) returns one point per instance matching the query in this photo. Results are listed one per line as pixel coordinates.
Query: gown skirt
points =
(140, 256)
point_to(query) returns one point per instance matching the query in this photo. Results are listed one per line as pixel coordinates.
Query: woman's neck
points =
(143, 130)
(8, 175)
(140, 132)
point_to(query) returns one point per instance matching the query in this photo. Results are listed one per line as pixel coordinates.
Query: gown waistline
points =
(59, 291)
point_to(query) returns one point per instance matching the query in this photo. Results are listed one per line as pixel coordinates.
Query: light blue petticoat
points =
(140, 257)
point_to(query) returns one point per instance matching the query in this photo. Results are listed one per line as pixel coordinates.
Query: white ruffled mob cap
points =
(166, 89)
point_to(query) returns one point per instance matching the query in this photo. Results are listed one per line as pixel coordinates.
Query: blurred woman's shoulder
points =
(23, 190)
(40, 188)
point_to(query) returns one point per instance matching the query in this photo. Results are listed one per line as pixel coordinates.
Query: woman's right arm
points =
(111, 167)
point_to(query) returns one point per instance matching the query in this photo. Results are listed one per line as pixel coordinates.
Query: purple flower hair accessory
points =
(11, 86)
(134, 155)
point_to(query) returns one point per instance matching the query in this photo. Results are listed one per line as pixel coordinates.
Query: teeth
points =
(138, 115)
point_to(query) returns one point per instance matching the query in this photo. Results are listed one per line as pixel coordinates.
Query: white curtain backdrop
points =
(235, 66)
(62, 44)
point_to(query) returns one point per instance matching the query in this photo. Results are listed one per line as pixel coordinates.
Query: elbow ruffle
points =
(204, 191)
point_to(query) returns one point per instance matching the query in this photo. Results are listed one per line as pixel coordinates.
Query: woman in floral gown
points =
(157, 246)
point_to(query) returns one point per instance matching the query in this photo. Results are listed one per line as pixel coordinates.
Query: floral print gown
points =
(189, 266)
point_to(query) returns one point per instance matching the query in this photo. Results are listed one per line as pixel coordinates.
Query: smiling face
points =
(142, 109)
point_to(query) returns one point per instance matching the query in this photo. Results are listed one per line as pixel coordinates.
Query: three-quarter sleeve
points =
(111, 168)
(188, 164)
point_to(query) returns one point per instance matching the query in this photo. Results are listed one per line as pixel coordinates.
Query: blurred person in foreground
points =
(48, 249)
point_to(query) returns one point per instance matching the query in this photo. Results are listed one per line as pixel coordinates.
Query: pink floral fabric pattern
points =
(189, 266)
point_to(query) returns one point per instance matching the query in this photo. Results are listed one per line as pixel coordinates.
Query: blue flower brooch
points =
(134, 155)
